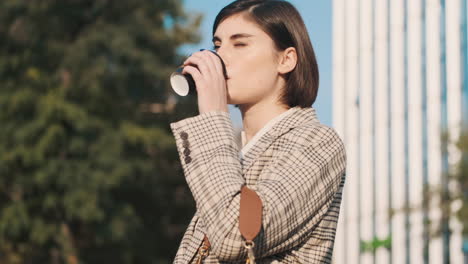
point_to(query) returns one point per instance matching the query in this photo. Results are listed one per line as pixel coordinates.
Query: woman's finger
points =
(216, 63)
(195, 73)
(212, 63)
(200, 63)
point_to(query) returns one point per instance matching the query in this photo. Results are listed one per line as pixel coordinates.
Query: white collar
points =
(259, 134)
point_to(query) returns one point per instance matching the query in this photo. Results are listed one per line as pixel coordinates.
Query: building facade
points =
(399, 81)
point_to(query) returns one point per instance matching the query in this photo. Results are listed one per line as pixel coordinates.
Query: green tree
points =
(457, 174)
(446, 197)
(89, 172)
(461, 177)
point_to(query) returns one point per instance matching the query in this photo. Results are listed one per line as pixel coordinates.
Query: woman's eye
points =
(215, 47)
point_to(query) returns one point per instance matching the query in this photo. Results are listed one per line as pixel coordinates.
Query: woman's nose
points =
(222, 54)
(225, 62)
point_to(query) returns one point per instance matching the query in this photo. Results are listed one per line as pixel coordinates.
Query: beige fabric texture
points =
(246, 146)
(298, 170)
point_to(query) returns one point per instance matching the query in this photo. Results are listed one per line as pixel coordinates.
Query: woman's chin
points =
(234, 98)
(233, 101)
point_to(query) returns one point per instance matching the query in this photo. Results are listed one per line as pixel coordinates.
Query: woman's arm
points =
(296, 192)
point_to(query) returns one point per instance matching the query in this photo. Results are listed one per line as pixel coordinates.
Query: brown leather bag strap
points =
(250, 217)
(206, 241)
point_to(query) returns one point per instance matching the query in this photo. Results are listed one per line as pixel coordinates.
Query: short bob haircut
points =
(283, 23)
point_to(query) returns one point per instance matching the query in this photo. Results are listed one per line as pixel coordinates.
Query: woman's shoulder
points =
(316, 132)
(305, 122)
(312, 131)
(308, 144)
(309, 136)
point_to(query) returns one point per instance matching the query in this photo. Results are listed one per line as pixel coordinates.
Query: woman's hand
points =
(207, 72)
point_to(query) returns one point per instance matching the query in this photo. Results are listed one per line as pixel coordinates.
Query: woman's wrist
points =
(214, 109)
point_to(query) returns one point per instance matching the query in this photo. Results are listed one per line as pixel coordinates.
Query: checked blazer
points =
(298, 170)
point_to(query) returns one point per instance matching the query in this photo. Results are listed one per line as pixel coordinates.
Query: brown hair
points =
(283, 23)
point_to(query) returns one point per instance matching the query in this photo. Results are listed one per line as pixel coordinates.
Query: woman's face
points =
(251, 61)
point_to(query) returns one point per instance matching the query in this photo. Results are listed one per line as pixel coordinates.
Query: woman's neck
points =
(255, 117)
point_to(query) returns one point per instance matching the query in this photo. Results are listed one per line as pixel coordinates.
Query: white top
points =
(259, 134)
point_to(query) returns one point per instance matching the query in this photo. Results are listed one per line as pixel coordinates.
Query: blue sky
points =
(318, 19)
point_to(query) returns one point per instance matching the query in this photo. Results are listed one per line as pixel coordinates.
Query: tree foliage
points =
(461, 177)
(89, 172)
(452, 202)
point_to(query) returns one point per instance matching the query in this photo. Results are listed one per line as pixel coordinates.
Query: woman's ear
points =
(287, 60)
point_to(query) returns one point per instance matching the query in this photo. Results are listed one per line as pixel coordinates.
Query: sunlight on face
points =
(250, 58)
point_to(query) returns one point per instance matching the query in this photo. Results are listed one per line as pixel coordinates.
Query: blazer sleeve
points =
(295, 192)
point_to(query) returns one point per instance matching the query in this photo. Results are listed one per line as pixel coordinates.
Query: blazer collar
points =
(299, 117)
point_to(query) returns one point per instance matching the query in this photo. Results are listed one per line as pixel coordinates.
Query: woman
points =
(291, 162)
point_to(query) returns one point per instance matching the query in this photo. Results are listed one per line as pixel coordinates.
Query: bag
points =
(250, 222)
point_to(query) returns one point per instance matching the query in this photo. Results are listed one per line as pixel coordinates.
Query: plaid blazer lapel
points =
(299, 117)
